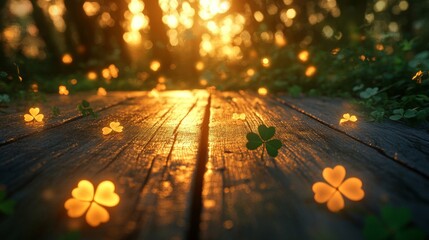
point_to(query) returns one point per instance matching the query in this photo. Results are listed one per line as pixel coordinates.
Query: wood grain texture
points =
(152, 164)
(13, 126)
(246, 198)
(167, 189)
(407, 145)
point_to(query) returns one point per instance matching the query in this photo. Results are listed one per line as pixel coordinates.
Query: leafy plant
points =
(394, 223)
(6, 206)
(86, 110)
(265, 134)
(400, 113)
(369, 92)
(55, 111)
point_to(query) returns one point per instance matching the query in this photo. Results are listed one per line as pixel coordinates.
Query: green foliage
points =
(394, 223)
(265, 134)
(72, 235)
(55, 111)
(383, 76)
(86, 110)
(6, 206)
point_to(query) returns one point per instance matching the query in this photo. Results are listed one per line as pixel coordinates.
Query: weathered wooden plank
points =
(152, 164)
(13, 126)
(408, 145)
(246, 198)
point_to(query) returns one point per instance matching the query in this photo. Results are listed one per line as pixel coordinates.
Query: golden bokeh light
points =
(310, 71)
(250, 72)
(67, 58)
(92, 75)
(91, 8)
(101, 91)
(199, 66)
(304, 55)
(155, 65)
(266, 62)
(62, 90)
(262, 91)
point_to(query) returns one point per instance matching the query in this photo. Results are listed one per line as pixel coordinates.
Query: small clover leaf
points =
(272, 146)
(254, 141)
(395, 223)
(86, 110)
(368, 93)
(410, 113)
(6, 206)
(266, 132)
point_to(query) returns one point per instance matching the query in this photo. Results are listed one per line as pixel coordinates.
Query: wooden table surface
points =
(182, 170)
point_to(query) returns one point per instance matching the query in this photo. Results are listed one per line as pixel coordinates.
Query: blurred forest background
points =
(375, 50)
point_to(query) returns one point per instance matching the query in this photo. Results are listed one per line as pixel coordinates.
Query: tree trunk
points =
(47, 32)
(158, 34)
(352, 20)
(84, 26)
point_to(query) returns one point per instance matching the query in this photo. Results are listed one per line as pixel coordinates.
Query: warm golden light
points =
(310, 71)
(114, 71)
(259, 17)
(91, 8)
(239, 116)
(67, 58)
(105, 73)
(101, 91)
(347, 117)
(262, 91)
(291, 13)
(203, 82)
(62, 90)
(92, 75)
(265, 62)
(333, 191)
(418, 76)
(133, 37)
(199, 66)
(155, 65)
(34, 115)
(250, 72)
(85, 201)
(304, 55)
(113, 127)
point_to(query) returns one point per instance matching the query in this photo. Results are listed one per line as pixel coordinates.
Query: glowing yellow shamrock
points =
(85, 201)
(62, 90)
(332, 192)
(114, 126)
(238, 116)
(34, 115)
(347, 117)
(101, 91)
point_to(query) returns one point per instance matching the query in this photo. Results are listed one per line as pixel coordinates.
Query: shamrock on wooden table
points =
(265, 134)
(86, 109)
(393, 224)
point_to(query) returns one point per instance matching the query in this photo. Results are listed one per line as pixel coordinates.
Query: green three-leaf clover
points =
(86, 110)
(394, 224)
(265, 134)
